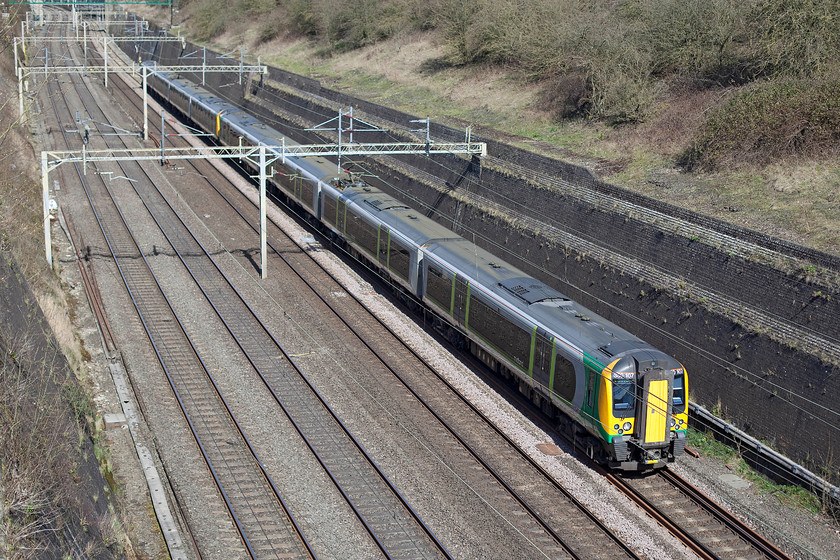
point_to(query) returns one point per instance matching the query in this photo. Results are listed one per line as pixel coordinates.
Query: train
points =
(622, 401)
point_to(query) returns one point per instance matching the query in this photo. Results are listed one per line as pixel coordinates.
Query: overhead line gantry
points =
(261, 156)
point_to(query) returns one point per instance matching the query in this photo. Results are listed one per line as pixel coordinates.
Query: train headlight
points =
(673, 421)
(616, 427)
(627, 426)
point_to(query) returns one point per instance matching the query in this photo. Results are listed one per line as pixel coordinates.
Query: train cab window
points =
(439, 288)
(679, 392)
(624, 399)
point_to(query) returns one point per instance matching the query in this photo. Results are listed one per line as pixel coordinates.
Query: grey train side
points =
(624, 401)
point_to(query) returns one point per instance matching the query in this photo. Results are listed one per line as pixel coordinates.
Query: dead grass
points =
(791, 199)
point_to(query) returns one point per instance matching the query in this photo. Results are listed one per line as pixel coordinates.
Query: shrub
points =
(797, 38)
(698, 37)
(350, 24)
(210, 19)
(769, 120)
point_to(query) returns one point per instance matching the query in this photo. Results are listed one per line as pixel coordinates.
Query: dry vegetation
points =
(47, 483)
(710, 104)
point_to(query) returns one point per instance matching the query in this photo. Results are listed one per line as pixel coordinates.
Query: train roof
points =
(207, 98)
(398, 216)
(246, 124)
(550, 308)
(518, 291)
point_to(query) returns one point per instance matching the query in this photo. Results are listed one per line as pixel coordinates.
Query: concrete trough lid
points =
(116, 420)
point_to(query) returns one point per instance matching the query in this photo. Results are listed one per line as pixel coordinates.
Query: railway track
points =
(267, 529)
(718, 545)
(265, 525)
(566, 522)
(708, 529)
(703, 526)
(394, 526)
(555, 509)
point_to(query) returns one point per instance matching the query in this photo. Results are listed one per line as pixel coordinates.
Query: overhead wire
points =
(703, 353)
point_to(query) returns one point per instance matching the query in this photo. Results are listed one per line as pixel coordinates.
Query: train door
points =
(462, 290)
(590, 398)
(655, 405)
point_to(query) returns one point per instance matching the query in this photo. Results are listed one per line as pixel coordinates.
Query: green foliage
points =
(210, 19)
(600, 66)
(708, 445)
(787, 494)
(213, 16)
(769, 120)
(350, 24)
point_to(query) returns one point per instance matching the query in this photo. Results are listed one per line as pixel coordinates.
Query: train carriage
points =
(623, 400)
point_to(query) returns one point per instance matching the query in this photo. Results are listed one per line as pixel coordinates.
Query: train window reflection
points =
(623, 398)
(679, 391)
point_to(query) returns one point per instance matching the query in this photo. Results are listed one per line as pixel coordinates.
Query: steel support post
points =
(45, 191)
(145, 103)
(339, 140)
(162, 138)
(105, 40)
(263, 251)
(20, 92)
(16, 56)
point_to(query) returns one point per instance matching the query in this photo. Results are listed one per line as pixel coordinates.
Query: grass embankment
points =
(722, 106)
(786, 494)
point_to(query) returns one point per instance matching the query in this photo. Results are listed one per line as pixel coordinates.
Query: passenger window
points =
(330, 207)
(506, 337)
(363, 233)
(439, 288)
(565, 378)
(399, 260)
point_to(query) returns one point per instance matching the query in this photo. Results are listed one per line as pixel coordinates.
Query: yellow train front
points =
(642, 415)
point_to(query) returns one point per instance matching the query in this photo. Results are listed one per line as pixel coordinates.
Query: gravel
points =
(305, 489)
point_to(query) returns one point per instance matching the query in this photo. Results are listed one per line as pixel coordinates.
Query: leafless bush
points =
(36, 443)
(797, 38)
(566, 95)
